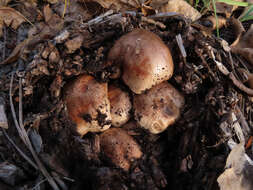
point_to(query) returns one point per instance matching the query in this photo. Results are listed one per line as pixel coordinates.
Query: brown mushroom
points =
(88, 104)
(119, 147)
(144, 58)
(120, 105)
(158, 108)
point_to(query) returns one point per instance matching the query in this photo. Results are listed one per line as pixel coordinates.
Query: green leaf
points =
(233, 2)
(246, 18)
(247, 15)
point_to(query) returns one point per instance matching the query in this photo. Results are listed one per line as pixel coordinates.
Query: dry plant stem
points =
(13, 111)
(243, 121)
(38, 184)
(20, 151)
(59, 181)
(99, 19)
(20, 105)
(237, 128)
(181, 46)
(236, 82)
(165, 15)
(25, 138)
(240, 85)
(198, 51)
(151, 21)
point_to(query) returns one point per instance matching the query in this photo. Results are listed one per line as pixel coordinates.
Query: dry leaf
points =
(51, 1)
(4, 2)
(244, 46)
(10, 17)
(239, 172)
(118, 4)
(46, 31)
(75, 11)
(225, 8)
(182, 7)
(48, 13)
(209, 24)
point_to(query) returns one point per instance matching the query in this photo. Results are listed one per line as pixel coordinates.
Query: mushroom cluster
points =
(144, 63)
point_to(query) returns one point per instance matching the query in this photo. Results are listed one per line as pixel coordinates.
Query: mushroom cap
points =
(119, 147)
(120, 105)
(88, 105)
(145, 59)
(158, 108)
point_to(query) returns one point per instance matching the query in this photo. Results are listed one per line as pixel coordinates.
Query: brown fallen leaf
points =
(75, 11)
(209, 24)
(4, 2)
(225, 8)
(244, 47)
(118, 4)
(74, 44)
(10, 17)
(182, 7)
(51, 1)
(238, 174)
(48, 31)
(238, 30)
(47, 12)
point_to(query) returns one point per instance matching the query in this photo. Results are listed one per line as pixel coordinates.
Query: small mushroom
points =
(119, 147)
(120, 105)
(88, 105)
(144, 58)
(158, 108)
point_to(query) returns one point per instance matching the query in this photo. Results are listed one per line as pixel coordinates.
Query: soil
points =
(191, 154)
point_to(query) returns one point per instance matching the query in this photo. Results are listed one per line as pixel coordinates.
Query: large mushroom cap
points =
(145, 59)
(88, 105)
(120, 105)
(158, 108)
(119, 147)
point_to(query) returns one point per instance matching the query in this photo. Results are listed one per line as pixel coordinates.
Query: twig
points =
(151, 21)
(199, 53)
(59, 181)
(237, 128)
(13, 111)
(19, 150)
(165, 15)
(236, 82)
(181, 46)
(240, 85)
(20, 113)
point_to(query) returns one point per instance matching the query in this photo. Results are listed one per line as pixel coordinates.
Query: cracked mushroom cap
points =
(120, 105)
(88, 105)
(144, 58)
(158, 108)
(120, 147)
